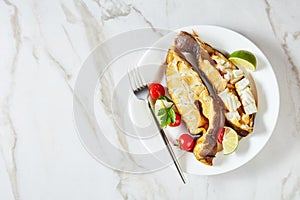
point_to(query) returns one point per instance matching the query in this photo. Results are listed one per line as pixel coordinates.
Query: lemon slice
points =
(230, 141)
(244, 58)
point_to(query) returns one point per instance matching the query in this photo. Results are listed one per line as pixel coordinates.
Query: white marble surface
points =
(42, 47)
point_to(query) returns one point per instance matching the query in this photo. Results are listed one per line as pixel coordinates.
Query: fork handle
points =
(167, 143)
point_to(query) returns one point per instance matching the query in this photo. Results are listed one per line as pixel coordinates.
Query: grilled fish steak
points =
(239, 97)
(230, 82)
(206, 146)
(188, 93)
(208, 93)
(183, 81)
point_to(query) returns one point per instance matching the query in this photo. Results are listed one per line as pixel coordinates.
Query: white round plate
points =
(268, 98)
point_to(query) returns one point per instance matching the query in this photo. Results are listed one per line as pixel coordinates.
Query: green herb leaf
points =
(167, 116)
(161, 112)
(163, 117)
(165, 98)
(172, 115)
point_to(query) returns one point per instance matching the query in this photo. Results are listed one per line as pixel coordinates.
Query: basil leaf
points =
(165, 98)
(162, 111)
(172, 115)
(166, 115)
(164, 121)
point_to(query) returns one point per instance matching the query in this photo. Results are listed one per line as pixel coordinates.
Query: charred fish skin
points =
(206, 146)
(205, 150)
(187, 42)
(187, 91)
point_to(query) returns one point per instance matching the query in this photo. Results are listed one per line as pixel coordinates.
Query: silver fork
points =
(141, 91)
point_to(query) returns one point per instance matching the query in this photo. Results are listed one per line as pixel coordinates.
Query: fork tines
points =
(136, 79)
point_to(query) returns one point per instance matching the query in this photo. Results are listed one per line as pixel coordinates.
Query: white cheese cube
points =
(233, 117)
(250, 109)
(237, 75)
(240, 85)
(234, 102)
(231, 101)
(228, 76)
(247, 97)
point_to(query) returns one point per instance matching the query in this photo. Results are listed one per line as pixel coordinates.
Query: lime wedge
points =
(230, 141)
(244, 58)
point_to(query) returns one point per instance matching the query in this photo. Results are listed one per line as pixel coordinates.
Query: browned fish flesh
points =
(229, 81)
(239, 97)
(188, 92)
(206, 146)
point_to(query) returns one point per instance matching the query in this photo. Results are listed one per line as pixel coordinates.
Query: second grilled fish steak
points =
(206, 146)
(230, 82)
(188, 93)
(238, 96)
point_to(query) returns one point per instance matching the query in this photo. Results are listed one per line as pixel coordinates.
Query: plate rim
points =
(276, 111)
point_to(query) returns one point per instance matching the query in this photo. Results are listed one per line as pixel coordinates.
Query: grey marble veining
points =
(8, 130)
(43, 45)
(289, 42)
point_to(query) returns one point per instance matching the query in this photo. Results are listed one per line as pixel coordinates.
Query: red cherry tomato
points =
(177, 121)
(156, 90)
(186, 142)
(221, 135)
